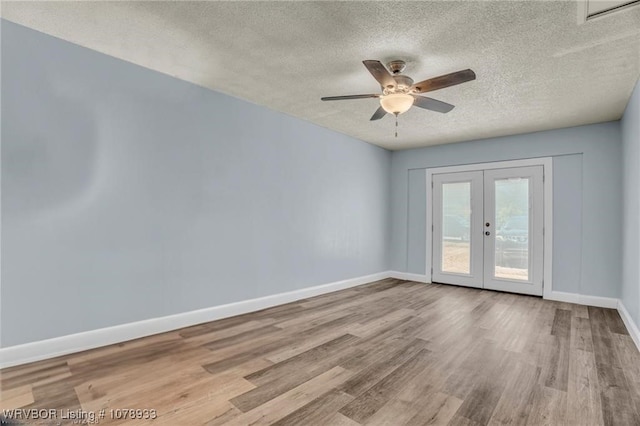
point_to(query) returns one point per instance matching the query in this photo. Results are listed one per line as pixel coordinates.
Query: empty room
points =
(320, 213)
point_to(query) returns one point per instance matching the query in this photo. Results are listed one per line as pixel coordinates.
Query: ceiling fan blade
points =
(431, 104)
(342, 98)
(380, 73)
(380, 112)
(444, 81)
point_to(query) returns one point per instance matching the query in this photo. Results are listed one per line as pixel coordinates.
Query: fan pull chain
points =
(396, 125)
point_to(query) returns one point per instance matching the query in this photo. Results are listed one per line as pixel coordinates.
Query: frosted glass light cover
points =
(396, 103)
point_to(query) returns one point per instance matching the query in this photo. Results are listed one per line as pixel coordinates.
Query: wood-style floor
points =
(388, 353)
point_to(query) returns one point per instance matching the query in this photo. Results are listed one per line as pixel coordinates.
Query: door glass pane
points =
(456, 215)
(512, 229)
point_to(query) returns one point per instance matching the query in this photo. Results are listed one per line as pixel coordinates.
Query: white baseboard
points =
(632, 327)
(50, 348)
(581, 299)
(560, 296)
(410, 277)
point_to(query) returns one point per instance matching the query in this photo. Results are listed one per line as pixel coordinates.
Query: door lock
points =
(487, 233)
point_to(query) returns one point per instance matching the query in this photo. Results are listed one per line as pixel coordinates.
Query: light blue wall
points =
(630, 124)
(128, 194)
(587, 200)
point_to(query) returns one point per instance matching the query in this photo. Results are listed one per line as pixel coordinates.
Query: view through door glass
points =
(456, 215)
(512, 229)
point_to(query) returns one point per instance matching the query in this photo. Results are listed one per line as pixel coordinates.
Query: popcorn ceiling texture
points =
(537, 68)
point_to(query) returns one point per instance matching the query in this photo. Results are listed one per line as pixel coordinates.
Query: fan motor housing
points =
(403, 80)
(403, 85)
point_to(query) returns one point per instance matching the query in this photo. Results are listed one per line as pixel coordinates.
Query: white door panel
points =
(457, 225)
(513, 248)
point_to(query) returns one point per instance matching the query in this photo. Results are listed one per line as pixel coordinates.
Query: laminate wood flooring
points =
(387, 353)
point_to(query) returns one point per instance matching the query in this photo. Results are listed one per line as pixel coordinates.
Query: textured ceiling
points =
(537, 69)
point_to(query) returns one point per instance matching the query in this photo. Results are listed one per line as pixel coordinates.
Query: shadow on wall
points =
(54, 157)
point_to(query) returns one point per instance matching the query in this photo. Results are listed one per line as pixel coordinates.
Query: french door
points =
(488, 229)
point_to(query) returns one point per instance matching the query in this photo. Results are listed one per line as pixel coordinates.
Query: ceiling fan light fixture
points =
(396, 103)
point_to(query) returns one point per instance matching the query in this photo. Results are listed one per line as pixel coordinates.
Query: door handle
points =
(487, 233)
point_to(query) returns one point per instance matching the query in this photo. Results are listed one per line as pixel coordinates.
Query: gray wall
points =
(128, 194)
(630, 124)
(587, 200)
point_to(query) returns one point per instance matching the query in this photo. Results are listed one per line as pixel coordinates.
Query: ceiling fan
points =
(399, 92)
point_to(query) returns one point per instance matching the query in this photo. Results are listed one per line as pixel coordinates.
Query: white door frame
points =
(547, 166)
